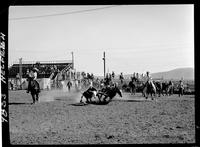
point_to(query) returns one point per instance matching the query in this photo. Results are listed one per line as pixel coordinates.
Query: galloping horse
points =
(34, 89)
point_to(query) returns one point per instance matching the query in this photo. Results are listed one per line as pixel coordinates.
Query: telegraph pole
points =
(104, 61)
(20, 72)
(72, 60)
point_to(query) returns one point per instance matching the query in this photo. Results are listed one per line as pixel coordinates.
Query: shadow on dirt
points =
(93, 103)
(107, 102)
(79, 104)
(132, 100)
(19, 103)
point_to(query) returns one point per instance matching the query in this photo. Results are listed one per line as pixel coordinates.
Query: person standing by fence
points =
(69, 84)
(76, 85)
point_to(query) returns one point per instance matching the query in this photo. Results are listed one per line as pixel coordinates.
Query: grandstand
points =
(45, 67)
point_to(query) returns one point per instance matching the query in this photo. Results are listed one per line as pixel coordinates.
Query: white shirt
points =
(147, 78)
(35, 75)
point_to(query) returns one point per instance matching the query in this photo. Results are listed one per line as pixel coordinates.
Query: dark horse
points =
(180, 91)
(34, 88)
(133, 85)
(109, 92)
(158, 85)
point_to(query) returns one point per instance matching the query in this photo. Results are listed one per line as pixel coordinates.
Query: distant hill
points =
(176, 74)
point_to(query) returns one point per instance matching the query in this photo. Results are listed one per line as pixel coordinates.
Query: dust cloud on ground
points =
(60, 94)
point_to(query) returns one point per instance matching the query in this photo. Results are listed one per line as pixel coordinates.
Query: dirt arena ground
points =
(58, 119)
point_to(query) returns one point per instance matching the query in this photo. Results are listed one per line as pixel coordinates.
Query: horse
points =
(132, 86)
(34, 88)
(170, 88)
(165, 88)
(180, 90)
(109, 92)
(88, 94)
(149, 89)
(125, 87)
(158, 87)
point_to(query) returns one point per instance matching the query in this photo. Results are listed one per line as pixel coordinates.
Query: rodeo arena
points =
(50, 102)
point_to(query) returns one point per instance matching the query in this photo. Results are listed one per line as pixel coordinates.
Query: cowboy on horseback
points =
(181, 88)
(33, 75)
(149, 80)
(121, 77)
(150, 87)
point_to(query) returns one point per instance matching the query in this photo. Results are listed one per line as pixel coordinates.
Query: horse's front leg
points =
(37, 96)
(152, 95)
(33, 97)
(155, 95)
(146, 95)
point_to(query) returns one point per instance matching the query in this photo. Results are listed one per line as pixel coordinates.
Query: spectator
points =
(69, 84)
(113, 74)
(121, 77)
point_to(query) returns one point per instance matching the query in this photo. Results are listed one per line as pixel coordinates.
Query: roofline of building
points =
(44, 62)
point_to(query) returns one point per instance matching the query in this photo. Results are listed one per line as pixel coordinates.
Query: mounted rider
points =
(121, 77)
(33, 75)
(149, 80)
(181, 85)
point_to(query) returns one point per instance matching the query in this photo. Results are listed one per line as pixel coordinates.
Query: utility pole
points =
(72, 60)
(73, 64)
(20, 72)
(104, 61)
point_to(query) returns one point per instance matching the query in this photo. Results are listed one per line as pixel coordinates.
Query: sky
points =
(135, 38)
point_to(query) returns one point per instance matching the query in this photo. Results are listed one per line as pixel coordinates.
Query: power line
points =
(66, 13)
